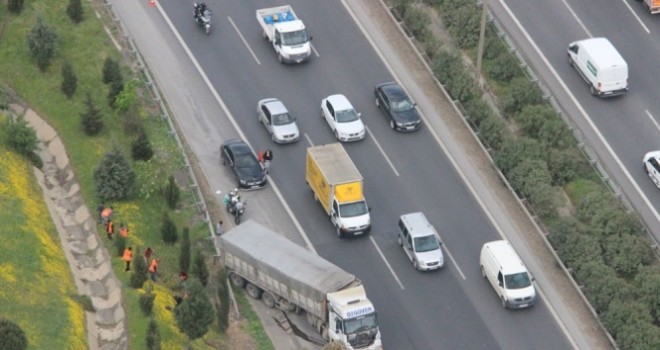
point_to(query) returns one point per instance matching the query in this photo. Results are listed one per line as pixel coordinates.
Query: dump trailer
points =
(292, 278)
(337, 184)
(286, 32)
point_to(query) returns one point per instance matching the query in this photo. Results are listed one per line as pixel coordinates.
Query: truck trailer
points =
(337, 184)
(292, 278)
(286, 32)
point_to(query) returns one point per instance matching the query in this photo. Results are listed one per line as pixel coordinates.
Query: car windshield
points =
(346, 116)
(517, 281)
(282, 119)
(401, 105)
(298, 37)
(360, 324)
(246, 161)
(353, 209)
(426, 244)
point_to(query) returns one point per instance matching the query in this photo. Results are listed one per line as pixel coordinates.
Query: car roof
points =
(339, 102)
(276, 106)
(418, 224)
(238, 146)
(393, 90)
(506, 256)
(652, 154)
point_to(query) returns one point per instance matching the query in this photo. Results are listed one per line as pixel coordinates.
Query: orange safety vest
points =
(110, 228)
(106, 213)
(154, 266)
(123, 231)
(128, 255)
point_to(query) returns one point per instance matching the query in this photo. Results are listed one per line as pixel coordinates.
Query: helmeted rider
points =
(200, 9)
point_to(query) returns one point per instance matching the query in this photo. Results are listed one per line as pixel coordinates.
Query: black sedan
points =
(238, 156)
(397, 106)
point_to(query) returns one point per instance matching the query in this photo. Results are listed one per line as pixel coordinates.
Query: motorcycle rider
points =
(200, 9)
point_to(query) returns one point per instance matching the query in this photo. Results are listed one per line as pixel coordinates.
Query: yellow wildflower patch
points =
(77, 337)
(129, 214)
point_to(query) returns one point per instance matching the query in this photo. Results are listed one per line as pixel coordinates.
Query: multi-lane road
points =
(449, 309)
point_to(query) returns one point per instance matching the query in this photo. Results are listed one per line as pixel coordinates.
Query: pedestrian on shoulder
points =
(123, 230)
(128, 257)
(153, 269)
(109, 229)
(106, 214)
(99, 210)
(267, 159)
(218, 228)
(147, 253)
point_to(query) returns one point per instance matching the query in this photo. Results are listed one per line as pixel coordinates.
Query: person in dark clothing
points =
(267, 157)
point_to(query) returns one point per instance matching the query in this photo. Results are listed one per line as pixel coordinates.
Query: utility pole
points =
(482, 34)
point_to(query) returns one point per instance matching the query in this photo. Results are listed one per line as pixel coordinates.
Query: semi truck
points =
(337, 184)
(291, 278)
(286, 32)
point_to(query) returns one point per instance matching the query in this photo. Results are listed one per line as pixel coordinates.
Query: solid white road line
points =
(371, 238)
(382, 151)
(244, 41)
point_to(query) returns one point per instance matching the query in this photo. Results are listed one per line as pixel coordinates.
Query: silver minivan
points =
(420, 242)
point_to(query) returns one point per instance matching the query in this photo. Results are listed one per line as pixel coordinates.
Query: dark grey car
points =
(238, 156)
(397, 107)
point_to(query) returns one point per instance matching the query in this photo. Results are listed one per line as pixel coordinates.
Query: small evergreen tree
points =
(114, 179)
(69, 79)
(199, 269)
(20, 136)
(184, 254)
(12, 336)
(168, 230)
(222, 301)
(126, 100)
(120, 244)
(42, 42)
(111, 71)
(147, 300)
(91, 120)
(195, 314)
(153, 335)
(116, 87)
(15, 6)
(141, 147)
(75, 11)
(140, 270)
(172, 193)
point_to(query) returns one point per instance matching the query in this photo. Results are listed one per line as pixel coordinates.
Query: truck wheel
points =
(324, 332)
(263, 33)
(592, 89)
(253, 291)
(311, 319)
(339, 233)
(503, 301)
(483, 272)
(268, 299)
(237, 280)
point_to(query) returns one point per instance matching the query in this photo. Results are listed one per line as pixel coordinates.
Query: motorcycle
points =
(235, 206)
(202, 18)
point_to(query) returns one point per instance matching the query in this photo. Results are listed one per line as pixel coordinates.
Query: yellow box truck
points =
(337, 184)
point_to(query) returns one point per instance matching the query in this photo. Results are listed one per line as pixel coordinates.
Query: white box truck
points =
(286, 32)
(290, 277)
(601, 66)
(337, 184)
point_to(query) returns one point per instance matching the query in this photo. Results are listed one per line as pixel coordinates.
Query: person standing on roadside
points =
(99, 210)
(123, 230)
(267, 157)
(109, 228)
(106, 214)
(153, 269)
(128, 257)
(147, 254)
(218, 228)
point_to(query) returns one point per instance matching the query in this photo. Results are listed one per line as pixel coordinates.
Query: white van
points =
(502, 267)
(420, 242)
(601, 66)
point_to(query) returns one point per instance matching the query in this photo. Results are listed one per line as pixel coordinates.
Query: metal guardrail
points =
(129, 46)
(476, 134)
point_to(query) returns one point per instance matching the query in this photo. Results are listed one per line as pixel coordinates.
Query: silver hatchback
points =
(420, 242)
(279, 123)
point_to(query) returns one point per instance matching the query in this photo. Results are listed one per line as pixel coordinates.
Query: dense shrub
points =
(596, 202)
(504, 67)
(42, 43)
(168, 230)
(69, 80)
(493, 47)
(462, 86)
(75, 11)
(562, 228)
(565, 165)
(195, 314)
(621, 313)
(140, 270)
(432, 46)
(114, 179)
(12, 336)
(199, 269)
(514, 150)
(531, 118)
(126, 99)
(478, 110)
(141, 147)
(639, 336)
(91, 120)
(153, 335)
(417, 21)
(445, 64)
(520, 93)
(111, 71)
(464, 26)
(544, 200)
(647, 283)
(580, 249)
(19, 136)
(184, 252)
(116, 88)
(528, 174)
(222, 301)
(401, 7)
(172, 193)
(601, 285)
(626, 253)
(146, 300)
(15, 6)
(493, 130)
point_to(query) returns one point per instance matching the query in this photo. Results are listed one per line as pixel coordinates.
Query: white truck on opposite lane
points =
(286, 32)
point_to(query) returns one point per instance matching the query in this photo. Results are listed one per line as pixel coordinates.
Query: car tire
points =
(392, 125)
(280, 58)
(570, 61)
(338, 232)
(483, 272)
(400, 241)
(415, 265)
(336, 135)
(377, 102)
(253, 291)
(272, 137)
(592, 89)
(503, 301)
(322, 116)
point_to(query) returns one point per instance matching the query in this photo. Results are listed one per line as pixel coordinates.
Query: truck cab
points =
(351, 218)
(286, 32)
(353, 319)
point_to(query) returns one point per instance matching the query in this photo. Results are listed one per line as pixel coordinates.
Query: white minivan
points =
(601, 66)
(502, 267)
(420, 242)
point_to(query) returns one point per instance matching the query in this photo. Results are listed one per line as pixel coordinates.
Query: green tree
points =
(168, 230)
(15, 6)
(580, 249)
(69, 79)
(514, 150)
(565, 165)
(91, 120)
(222, 301)
(116, 88)
(42, 43)
(529, 174)
(75, 11)
(521, 92)
(647, 282)
(141, 147)
(153, 335)
(126, 100)
(114, 179)
(626, 253)
(12, 336)
(531, 118)
(140, 270)
(621, 313)
(199, 269)
(184, 254)
(146, 300)
(111, 71)
(639, 336)
(172, 193)
(195, 314)
(20, 136)
(505, 66)
(601, 285)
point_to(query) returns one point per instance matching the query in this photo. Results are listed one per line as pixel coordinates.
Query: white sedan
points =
(342, 118)
(652, 166)
(281, 126)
